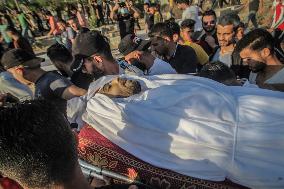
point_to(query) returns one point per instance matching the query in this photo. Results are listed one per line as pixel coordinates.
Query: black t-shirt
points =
(253, 5)
(126, 24)
(50, 86)
(82, 80)
(184, 60)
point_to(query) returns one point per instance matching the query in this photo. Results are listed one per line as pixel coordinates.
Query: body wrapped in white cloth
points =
(197, 127)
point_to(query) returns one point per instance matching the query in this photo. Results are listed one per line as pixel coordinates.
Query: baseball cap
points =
(86, 44)
(131, 43)
(17, 57)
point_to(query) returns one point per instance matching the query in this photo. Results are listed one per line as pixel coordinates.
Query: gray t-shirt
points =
(8, 84)
(226, 58)
(50, 87)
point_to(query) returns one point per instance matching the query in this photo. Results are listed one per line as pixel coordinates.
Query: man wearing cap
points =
(48, 85)
(92, 52)
(136, 53)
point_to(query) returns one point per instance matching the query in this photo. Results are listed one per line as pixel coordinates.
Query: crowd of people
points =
(37, 147)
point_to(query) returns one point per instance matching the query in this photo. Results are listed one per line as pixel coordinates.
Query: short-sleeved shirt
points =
(225, 58)
(66, 37)
(50, 87)
(184, 60)
(10, 85)
(23, 21)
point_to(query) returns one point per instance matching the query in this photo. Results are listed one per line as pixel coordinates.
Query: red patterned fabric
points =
(99, 151)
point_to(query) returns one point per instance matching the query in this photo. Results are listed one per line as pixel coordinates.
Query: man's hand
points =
(133, 55)
(145, 58)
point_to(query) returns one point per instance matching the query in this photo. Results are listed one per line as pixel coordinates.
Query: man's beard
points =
(209, 30)
(256, 66)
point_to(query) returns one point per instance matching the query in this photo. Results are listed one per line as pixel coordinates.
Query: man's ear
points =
(98, 58)
(265, 52)
(175, 37)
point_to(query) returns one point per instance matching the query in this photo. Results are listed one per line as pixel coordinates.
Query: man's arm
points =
(63, 88)
(155, 66)
(73, 91)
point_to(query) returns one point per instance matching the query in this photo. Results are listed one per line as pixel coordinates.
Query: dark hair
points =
(217, 71)
(37, 147)
(103, 46)
(173, 26)
(161, 29)
(58, 53)
(209, 13)
(183, 1)
(187, 23)
(13, 30)
(146, 4)
(230, 19)
(48, 13)
(256, 40)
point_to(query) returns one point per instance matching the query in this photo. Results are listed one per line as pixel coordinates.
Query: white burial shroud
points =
(197, 127)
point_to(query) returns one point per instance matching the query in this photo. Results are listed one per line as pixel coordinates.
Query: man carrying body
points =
(226, 31)
(257, 50)
(92, 50)
(182, 58)
(48, 85)
(208, 38)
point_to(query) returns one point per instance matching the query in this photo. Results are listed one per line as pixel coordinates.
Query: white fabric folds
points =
(197, 127)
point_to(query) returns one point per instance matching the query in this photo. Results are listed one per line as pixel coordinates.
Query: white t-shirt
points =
(191, 12)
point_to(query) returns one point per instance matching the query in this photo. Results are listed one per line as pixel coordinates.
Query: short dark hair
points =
(256, 40)
(209, 13)
(161, 29)
(230, 19)
(37, 146)
(187, 23)
(59, 53)
(217, 71)
(183, 1)
(173, 26)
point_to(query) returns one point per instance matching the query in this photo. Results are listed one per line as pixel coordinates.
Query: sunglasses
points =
(213, 22)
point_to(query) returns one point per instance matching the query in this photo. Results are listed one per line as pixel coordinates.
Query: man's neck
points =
(35, 75)
(112, 67)
(273, 61)
(227, 49)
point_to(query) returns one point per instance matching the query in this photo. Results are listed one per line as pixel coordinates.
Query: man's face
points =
(186, 33)
(121, 88)
(240, 33)
(181, 6)
(146, 8)
(73, 24)
(225, 35)
(253, 59)
(160, 46)
(152, 10)
(209, 23)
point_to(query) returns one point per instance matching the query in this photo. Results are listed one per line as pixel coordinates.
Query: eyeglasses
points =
(213, 22)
